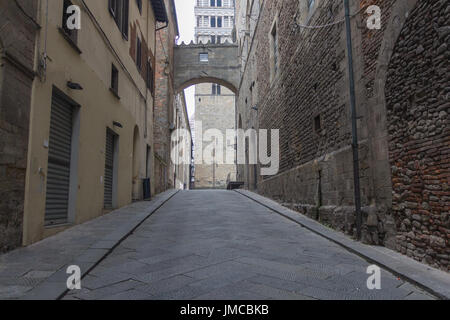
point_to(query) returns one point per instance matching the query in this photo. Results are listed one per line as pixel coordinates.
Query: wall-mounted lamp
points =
(74, 85)
(117, 124)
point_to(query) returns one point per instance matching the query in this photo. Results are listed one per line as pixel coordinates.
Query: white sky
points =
(186, 24)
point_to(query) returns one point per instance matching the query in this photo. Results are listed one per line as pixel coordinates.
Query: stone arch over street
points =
(206, 63)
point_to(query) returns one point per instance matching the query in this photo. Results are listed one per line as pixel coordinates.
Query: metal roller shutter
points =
(59, 155)
(109, 170)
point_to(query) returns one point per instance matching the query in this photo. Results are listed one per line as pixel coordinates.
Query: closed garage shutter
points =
(58, 176)
(109, 170)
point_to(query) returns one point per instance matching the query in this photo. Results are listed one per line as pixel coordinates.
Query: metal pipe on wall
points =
(354, 121)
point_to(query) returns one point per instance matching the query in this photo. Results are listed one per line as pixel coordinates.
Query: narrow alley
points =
(225, 150)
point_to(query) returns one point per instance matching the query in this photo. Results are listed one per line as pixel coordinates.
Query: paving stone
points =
(109, 290)
(132, 294)
(274, 293)
(166, 285)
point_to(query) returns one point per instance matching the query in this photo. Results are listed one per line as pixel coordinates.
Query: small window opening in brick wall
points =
(318, 124)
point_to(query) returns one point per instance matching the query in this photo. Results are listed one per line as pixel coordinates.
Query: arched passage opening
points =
(212, 104)
(204, 80)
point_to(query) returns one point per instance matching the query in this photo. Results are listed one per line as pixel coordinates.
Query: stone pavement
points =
(222, 245)
(195, 245)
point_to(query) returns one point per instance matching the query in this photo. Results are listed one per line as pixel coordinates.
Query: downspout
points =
(146, 86)
(354, 121)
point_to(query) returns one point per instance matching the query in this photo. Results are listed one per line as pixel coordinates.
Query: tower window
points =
(216, 89)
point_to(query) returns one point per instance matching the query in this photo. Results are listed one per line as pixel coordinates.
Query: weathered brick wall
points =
(164, 103)
(17, 36)
(418, 103)
(371, 40)
(161, 131)
(310, 84)
(316, 172)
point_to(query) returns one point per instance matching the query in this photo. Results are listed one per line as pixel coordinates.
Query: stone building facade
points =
(214, 103)
(17, 72)
(295, 78)
(79, 103)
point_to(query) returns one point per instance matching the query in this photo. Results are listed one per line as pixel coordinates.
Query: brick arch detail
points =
(418, 135)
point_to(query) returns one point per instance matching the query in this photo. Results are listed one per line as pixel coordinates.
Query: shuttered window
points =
(109, 169)
(59, 157)
(119, 10)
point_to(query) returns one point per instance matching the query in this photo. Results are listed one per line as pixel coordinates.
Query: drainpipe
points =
(354, 121)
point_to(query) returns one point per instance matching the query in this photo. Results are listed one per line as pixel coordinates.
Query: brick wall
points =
(316, 171)
(417, 96)
(17, 36)
(164, 103)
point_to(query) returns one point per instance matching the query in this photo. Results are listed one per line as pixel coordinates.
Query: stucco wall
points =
(99, 108)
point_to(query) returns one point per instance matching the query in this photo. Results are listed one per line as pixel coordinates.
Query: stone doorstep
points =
(54, 287)
(434, 281)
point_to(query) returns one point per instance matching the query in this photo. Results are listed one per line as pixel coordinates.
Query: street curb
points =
(434, 281)
(55, 287)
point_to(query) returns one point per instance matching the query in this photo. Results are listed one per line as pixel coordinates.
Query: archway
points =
(377, 117)
(203, 63)
(136, 165)
(215, 117)
(417, 113)
(201, 80)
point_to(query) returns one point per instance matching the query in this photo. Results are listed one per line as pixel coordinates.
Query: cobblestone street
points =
(221, 245)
